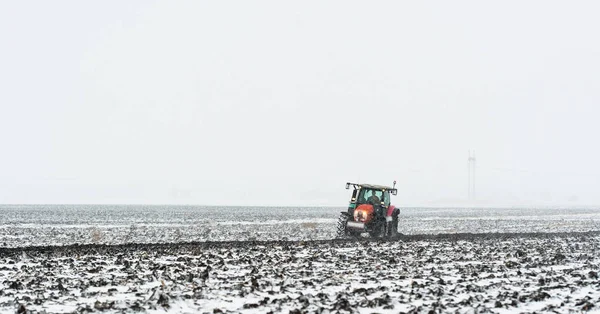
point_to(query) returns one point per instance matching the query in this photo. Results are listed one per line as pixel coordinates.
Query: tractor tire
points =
(378, 231)
(392, 231)
(341, 226)
(342, 230)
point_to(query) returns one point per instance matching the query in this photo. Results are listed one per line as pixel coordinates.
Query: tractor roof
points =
(375, 187)
(371, 186)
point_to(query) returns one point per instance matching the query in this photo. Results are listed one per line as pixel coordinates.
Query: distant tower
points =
(471, 170)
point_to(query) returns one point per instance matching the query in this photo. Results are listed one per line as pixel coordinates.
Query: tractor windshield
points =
(373, 197)
(367, 196)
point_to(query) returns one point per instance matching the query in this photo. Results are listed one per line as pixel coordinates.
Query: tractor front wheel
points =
(342, 229)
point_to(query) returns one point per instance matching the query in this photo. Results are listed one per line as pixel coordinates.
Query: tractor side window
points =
(386, 198)
(362, 198)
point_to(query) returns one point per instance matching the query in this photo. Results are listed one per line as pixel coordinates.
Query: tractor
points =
(370, 211)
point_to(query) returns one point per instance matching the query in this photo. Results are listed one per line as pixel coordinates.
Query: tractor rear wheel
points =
(392, 231)
(379, 230)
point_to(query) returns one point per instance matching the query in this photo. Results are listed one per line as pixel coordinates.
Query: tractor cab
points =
(370, 210)
(369, 194)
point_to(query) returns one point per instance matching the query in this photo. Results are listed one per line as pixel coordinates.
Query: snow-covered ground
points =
(39, 225)
(512, 274)
(150, 263)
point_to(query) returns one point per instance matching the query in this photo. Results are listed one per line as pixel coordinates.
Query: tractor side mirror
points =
(394, 192)
(347, 185)
(354, 195)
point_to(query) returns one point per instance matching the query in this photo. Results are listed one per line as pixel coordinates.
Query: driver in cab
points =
(373, 199)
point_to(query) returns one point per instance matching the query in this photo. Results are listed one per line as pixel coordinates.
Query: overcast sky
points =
(281, 103)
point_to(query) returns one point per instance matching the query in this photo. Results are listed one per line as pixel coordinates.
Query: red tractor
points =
(370, 211)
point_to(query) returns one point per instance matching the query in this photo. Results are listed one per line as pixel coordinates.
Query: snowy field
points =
(475, 274)
(77, 259)
(39, 225)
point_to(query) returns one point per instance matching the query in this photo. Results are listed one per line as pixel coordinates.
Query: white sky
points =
(280, 102)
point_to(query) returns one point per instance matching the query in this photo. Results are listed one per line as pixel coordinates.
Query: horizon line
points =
(448, 206)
